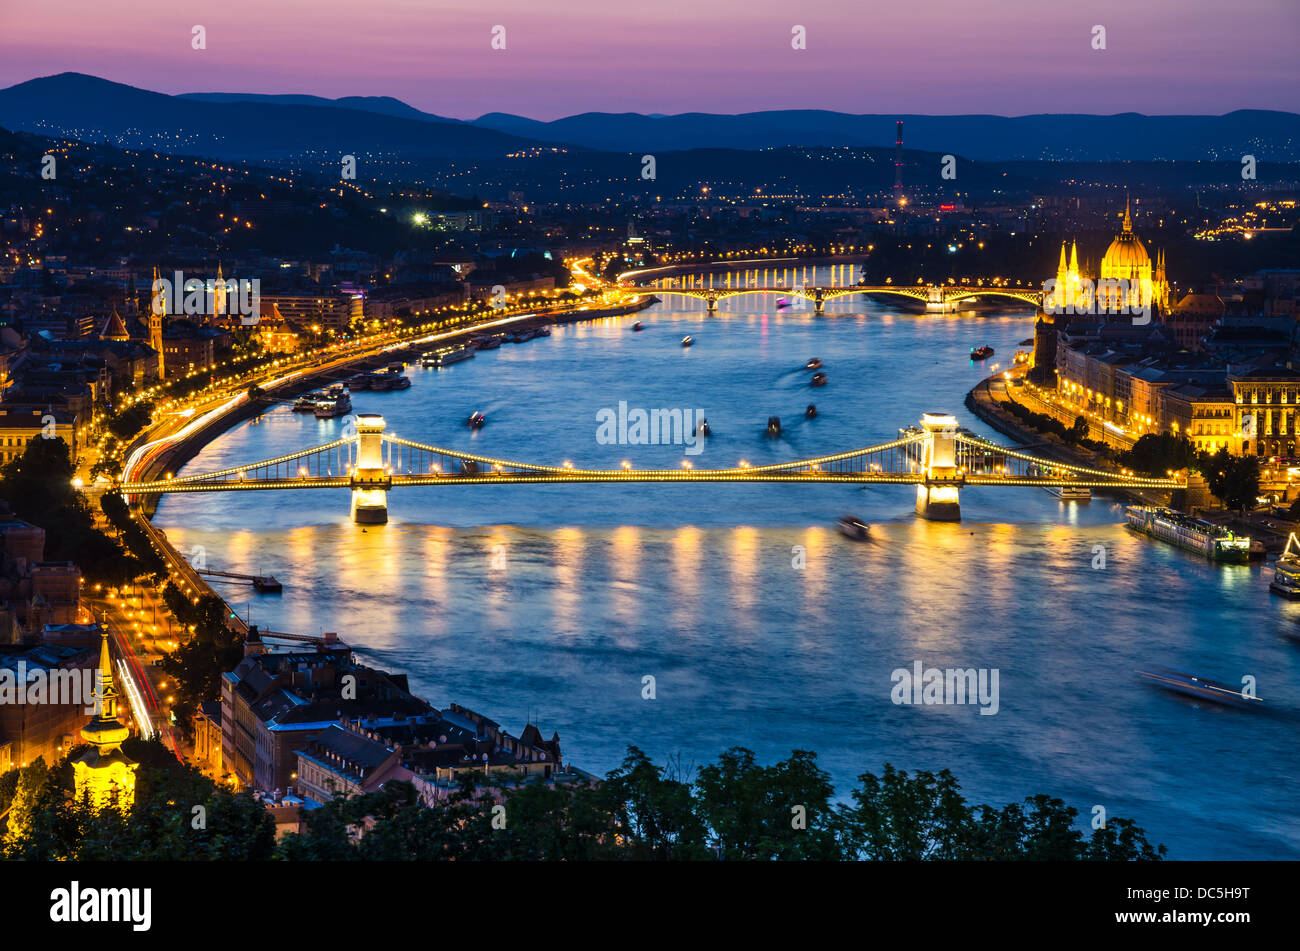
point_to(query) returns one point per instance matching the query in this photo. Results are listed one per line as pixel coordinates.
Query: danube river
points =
(555, 602)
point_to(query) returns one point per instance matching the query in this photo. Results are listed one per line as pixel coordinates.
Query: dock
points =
(266, 584)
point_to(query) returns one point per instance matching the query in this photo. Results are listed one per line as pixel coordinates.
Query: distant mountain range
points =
(238, 127)
(252, 126)
(1269, 136)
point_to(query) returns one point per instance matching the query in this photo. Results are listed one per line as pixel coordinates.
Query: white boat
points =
(1071, 493)
(1286, 574)
(446, 357)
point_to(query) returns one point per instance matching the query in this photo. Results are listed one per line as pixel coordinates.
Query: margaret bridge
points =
(938, 457)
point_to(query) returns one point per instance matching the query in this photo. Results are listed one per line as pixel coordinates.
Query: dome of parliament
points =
(1126, 254)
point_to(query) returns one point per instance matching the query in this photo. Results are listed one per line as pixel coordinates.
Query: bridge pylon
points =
(819, 301)
(937, 497)
(936, 302)
(712, 300)
(370, 480)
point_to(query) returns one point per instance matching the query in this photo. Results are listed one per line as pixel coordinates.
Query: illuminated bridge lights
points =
(903, 461)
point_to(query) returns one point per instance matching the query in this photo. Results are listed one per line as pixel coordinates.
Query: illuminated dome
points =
(1126, 257)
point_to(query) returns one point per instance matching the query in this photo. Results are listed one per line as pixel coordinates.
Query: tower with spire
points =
(157, 308)
(103, 775)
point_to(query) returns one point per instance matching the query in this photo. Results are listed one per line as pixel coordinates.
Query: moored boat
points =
(307, 403)
(1286, 571)
(814, 364)
(687, 341)
(638, 326)
(818, 379)
(811, 411)
(1194, 534)
(981, 353)
(446, 357)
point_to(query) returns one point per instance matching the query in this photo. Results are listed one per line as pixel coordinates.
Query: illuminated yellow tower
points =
(1067, 279)
(103, 774)
(219, 294)
(157, 309)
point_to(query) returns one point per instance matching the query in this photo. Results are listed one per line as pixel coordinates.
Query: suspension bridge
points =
(938, 457)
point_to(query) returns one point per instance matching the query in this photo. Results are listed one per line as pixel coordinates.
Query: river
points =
(553, 603)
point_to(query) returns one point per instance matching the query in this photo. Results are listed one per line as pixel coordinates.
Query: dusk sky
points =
(1007, 57)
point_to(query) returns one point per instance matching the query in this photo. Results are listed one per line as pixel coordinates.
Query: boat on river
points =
(851, 526)
(1286, 571)
(1201, 688)
(1071, 493)
(446, 357)
(1194, 534)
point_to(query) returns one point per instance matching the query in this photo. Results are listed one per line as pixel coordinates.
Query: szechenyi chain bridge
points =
(937, 457)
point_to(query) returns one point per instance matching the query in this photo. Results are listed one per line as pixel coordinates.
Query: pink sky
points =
(1008, 57)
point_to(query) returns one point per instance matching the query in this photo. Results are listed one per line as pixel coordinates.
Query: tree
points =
(763, 813)
(1233, 479)
(1156, 454)
(901, 818)
(655, 814)
(29, 832)
(1078, 432)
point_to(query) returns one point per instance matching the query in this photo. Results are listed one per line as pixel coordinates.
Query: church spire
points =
(1128, 219)
(104, 730)
(1074, 257)
(102, 774)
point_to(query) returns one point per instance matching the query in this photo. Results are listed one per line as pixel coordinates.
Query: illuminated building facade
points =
(1127, 278)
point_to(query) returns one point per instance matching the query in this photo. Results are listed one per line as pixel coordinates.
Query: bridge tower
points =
(936, 302)
(712, 300)
(937, 497)
(819, 301)
(370, 480)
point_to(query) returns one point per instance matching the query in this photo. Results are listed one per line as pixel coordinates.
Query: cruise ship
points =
(1194, 534)
(446, 357)
(1286, 573)
(334, 402)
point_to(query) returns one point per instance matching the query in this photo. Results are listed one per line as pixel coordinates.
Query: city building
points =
(1127, 261)
(46, 729)
(273, 704)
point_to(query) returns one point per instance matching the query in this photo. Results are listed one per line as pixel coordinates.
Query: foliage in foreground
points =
(734, 810)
